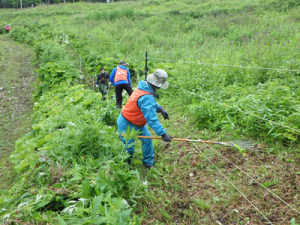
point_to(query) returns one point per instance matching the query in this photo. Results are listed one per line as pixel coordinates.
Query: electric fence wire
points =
(251, 114)
(212, 64)
(244, 196)
(288, 127)
(245, 173)
(232, 184)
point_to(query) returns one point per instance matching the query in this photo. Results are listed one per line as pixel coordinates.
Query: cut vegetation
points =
(16, 79)
(234, 73)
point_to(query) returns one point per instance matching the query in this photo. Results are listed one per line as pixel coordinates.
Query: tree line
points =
(19, 4)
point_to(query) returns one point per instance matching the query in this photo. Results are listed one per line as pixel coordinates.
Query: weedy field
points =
(234, 71)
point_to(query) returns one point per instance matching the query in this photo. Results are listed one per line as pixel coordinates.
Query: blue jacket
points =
(149, 108)
(112, 76)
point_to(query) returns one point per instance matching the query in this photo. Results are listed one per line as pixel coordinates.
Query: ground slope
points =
(16, 78)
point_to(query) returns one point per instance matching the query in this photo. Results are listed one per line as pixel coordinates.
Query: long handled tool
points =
(243, 144)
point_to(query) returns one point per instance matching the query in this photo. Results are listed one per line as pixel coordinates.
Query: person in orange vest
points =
(102, 82)
(120, 78)
(141, 109)
(7, 28)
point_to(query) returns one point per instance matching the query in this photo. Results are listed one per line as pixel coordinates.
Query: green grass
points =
(207, 196)
(16, 106)
(193, 41)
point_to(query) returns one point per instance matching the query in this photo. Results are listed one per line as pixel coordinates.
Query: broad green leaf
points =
(60, 220)
(97, 202)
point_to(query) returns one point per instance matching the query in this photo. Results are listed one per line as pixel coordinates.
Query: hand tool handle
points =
(177, 139)
(231, 144)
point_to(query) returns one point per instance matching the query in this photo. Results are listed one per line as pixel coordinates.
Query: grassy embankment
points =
(186, 187)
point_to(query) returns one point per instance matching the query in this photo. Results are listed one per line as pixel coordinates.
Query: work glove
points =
(96, 85)
(109, 83)
(164, 113)
(166, 137)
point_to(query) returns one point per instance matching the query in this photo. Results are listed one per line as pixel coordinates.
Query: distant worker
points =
(120, 78)
(7, 28)
(141, 108)
(102, 82)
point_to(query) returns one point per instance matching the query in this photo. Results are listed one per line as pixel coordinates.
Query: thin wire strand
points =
(231, 183)
(212, 64)
(251, 114)
(246, 174)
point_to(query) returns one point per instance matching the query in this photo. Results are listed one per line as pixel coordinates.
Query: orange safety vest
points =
(131, 111)
(7, 28)
(121, 74)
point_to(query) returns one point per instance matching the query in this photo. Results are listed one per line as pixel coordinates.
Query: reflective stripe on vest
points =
(131, 111)
(121, 74)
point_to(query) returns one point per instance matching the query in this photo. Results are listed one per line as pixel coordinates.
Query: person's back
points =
(7, 28)
(120, 78)
(141, 108)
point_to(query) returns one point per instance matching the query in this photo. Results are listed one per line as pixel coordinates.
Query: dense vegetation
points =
(70, 166)
(32, 3)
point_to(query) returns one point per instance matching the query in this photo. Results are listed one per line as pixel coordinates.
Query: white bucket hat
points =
(159, 79)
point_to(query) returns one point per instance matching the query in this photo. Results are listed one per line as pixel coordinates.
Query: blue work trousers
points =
(147, 146)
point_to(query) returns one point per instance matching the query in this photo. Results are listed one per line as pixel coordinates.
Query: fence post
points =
(146, 67)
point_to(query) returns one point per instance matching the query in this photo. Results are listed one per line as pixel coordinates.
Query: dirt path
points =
(16, 79)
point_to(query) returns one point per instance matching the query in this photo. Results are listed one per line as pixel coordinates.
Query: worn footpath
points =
(16, 79)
